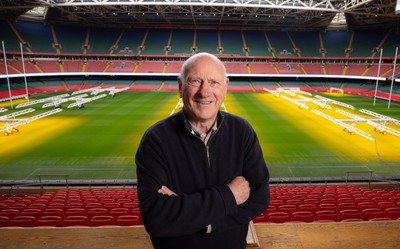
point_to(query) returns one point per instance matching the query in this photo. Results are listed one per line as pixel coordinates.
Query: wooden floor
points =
(356, 235)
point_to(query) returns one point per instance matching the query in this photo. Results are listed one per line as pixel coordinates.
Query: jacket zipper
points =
(208, 156)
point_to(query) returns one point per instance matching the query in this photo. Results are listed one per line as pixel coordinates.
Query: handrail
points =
(41, 175)
(360, 171)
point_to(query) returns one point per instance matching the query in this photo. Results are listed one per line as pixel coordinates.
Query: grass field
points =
(100, 140)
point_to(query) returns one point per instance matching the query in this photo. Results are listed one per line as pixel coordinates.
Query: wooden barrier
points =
(354, 235)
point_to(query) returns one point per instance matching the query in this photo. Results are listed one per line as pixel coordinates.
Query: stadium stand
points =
(288, 204)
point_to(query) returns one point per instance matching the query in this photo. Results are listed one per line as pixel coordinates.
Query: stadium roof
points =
(257, 14)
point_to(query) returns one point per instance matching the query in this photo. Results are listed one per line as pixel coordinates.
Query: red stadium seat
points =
(386, 204)
(287, 208)
(31, 212)
(346, 206)
(77, 220)
(325, 215)
(111, 205)
(102, 220)
(372, 213)
(50, 221)
(392, 213)
(53, 212)
(304, 216)
(259, 219)
(115, 212)
(308, 207)
(364, 205)
(278, 217)
(351, 220)
(10, 213)
(22, 221)
(349, 214)
(96, 211)
(128, 220)
(75, 212)
(327, 206)
(4, 221)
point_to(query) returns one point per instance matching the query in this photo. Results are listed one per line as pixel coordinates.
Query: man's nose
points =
(204, 89)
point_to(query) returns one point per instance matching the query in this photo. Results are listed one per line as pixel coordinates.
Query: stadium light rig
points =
(114, 91)
(346, 127)
(377, 126)
(335, 102)
(10, 125)
(15, 114)
(378, 115)
(42, 100)
(322, 104)
(82, 101)
(274, 92)
(85, 90)
(300, 104)
(57, 102)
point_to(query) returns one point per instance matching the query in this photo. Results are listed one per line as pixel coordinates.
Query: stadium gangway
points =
(82, 101)
(298, 103)
(349, 128)
(378, 115)
(42, 100)
(335, 102)
(378, 127)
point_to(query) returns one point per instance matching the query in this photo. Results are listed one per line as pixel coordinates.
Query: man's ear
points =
(180, 84)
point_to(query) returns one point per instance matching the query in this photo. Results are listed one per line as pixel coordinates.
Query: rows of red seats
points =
(331, 203)
(95, 207)
(119, 207)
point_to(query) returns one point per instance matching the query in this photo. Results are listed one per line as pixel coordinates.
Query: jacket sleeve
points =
(167, 216)
(256, 172)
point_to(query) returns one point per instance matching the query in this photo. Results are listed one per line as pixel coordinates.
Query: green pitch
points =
(99, 141)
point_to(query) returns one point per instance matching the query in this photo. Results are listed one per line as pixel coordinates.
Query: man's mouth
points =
(204, 102)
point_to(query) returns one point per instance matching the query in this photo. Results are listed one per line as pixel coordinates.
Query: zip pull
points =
(208, 156)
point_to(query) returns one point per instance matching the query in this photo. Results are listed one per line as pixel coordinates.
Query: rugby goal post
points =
(335, 89)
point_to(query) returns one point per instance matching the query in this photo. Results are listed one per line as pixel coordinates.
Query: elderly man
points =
(201, 173)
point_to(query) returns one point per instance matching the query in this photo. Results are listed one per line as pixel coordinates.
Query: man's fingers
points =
(166, 191)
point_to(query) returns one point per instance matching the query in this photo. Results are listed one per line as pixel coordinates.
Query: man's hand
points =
(166, 191)
(240, 189)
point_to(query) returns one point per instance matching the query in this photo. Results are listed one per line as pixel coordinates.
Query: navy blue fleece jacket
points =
(169, 154)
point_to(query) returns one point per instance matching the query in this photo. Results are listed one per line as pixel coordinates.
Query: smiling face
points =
(202, 86)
